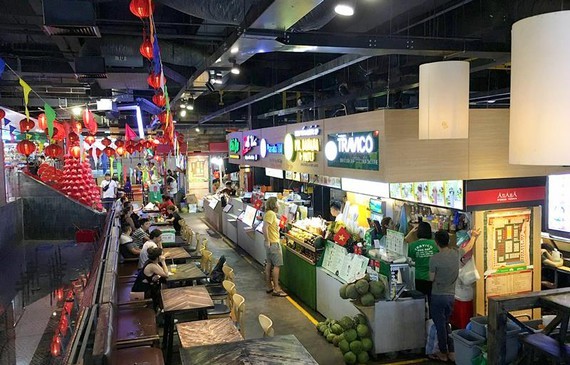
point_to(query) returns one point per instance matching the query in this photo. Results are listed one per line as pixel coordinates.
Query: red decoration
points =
(342, 236)
(58, 131)
(141, 8)
(55, 347)
(2, 114)
(98, 152)
(119, 143)
(73, 137)
(89, 140)
(282, 222)
(27, 125)
(148, 144)
(106, 142)
(155, 81)
(76, 126)
(159, 99)
(130, 149)
(146, 48)
(26, 147)
(53, 151)
(139, 146)
(42, 121)
(109, 151)
(121, 151)
(77, 181)
(75, 151)
(89, 121)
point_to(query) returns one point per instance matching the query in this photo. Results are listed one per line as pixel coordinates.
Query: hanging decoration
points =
(90, 140)
(129, 133)
(159, 99)
(119, 143)
(78, 183)
(155, 80)
(142, 8)
(89, 121)
(106, 142)
(50, 118)
(75, 151)
(42, 121)
(73, 137)
(120, 150)
(26, 89)
(53, 151)
(26, 147)
(109, 151)
(146, 49)
(26, 125)
(76, 126)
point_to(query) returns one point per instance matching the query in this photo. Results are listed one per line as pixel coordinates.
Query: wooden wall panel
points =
(371, 121)
(408, 159)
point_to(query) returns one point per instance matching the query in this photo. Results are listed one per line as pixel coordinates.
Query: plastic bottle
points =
(393, 286)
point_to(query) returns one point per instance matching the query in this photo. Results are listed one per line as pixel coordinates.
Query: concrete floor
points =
(286, 317)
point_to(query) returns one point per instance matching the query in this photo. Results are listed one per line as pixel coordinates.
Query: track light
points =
(218, 81)
(235, 68)
(183, 106)
(344, 8)
(197, 130)
(190, 105)
(234, 50)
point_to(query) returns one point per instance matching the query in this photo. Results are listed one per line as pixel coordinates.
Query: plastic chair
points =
(238, 312)
(230, 288)
(228, 273)
(267, 325)
(206, 262)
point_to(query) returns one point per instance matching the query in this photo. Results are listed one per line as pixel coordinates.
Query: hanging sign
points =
(267, 148)
(505, 193)
(249, 143)
(234, 148)
(353, 150)
(302, 144)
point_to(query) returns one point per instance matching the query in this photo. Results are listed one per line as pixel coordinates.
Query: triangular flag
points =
(2, 66)
(156, 55)
(50, 117)
(7, 121)
(26, 88)
(129, 133)
(12, 129)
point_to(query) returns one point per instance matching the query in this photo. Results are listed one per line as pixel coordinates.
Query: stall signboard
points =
(353, 150)
(302, 146)
(330, 181)
(250, 147)
(505, 193)
(448, 194)
(271, 147)
(235, 147)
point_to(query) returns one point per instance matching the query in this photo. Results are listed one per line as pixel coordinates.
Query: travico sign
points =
(354, 150)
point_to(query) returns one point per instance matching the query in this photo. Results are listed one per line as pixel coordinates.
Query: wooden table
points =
(560, 303)
(268, 350)
(209, 332)
(162, 224)
(174, 253)
(186, 272)
(182, 300)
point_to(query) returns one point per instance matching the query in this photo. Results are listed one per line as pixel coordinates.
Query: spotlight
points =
(197, 130)
(183, 106)
(190, 106)
(344, 8)
(76, 110)
(235, 68)
(234, 50)
(218, 81)
(183, 113)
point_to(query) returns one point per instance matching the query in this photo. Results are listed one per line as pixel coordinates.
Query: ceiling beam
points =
(319, 71)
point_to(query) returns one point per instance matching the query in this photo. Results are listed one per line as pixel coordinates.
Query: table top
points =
(557, 301)
(161, 224)
(186, 298)
(208, 332)
(175, 253)
(268, 350)
(186, 272)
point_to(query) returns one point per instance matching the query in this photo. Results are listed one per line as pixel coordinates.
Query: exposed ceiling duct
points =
(70, 18)
(316, 19)
(222, 11)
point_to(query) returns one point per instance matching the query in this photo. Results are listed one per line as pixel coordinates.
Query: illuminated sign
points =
(441, 193)
(249, 142)
(234, 147)
(354, 150)
(297, 145)
(267, 148)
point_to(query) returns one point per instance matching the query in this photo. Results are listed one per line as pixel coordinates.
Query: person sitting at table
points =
(166, 202)
(174, 218)
(127, 247)
(150, 276)
(141, 234)
(155, 240)
(126, 217)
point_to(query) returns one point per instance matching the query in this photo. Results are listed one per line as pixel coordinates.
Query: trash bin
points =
(466, 345)
(462, 311)
(479, 327)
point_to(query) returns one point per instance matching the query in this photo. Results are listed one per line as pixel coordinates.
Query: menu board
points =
(509, 283)
(507, 240)
(347, 266)
(213, 203)
(395, 242)
(447, 194)
(559, 202)
(249, 215)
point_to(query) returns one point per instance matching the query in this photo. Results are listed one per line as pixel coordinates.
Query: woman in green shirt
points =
(420, 252)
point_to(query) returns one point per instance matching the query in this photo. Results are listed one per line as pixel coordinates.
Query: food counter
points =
(229, 219)
(328, 302)
(213, 212)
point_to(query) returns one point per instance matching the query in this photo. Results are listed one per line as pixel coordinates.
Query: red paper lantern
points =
(77, 126)
(159, 99)
(139, 146)
(75, 151)
(42, 121)
(146, 48)
(89, 140)
(26, 147)
(2, 114)
(155, 81)
(141, 8)
(26, 125)
(120, 151)
(148, 144)
(130, 149)
(53, 151)
(106, 142)
(109, 151)
(73, 137)
(119, 143)
(98, 152)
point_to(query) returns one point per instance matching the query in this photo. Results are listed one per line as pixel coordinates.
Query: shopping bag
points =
(468, 274)
(431, 341)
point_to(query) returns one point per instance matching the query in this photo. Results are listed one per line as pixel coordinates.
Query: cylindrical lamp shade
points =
(444, 100)
(540, 97)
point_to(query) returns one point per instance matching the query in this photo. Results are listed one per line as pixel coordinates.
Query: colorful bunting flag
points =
(26, 88)
(2, 66)
(7, 121)
(129, 133)
(156, 56)
(12, 129)
(50, 117)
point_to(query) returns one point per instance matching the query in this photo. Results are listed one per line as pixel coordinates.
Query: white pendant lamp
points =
(444, 100)
(540, 96)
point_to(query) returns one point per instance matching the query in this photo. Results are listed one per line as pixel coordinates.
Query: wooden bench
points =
(547, 346)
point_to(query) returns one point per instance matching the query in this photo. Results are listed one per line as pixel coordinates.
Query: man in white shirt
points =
(154, 241)
(108, 192)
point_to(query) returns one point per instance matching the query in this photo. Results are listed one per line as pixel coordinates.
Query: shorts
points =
(274, 254)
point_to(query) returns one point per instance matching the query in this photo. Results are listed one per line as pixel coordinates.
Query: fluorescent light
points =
(190, 106)
(140, 122)
(218, 81)
(372, 188)
(183, 113)
(344, 9)
(234, 50)
(183, 106)
(77, 110)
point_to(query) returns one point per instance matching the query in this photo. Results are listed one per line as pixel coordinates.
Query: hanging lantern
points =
(155, 81)
(109, 151)
(26, 147)
(26, 125)
(2, 114)
(106, 142)
(73, 137)
(119, 143)
(98, 152)
(148, 143)
(159, 99)
(139, 146)
(75, 151)
(130, 149)
(120, 151)
(162, 117)
(141, 8)
(77, 126)
(146, 48)
(53, 151)
(444, 100)
(42, 121)
(89, 140)
(63, 324)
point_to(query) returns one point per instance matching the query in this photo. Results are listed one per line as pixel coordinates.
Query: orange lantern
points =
(146, 48)
(141, 8)
(130, 149)
(89, 140)
(106, 142)
(26, 147)
(26, 125)
(42, 121)
(119, 143)
(73, 137)
(139, 146)
(155, 80)
(109, 151)
(53, 151)
(77, 126)
(159, 99)
(75, 151)
(120, 151)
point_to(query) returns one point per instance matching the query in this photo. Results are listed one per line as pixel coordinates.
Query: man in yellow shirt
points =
(274, 254)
